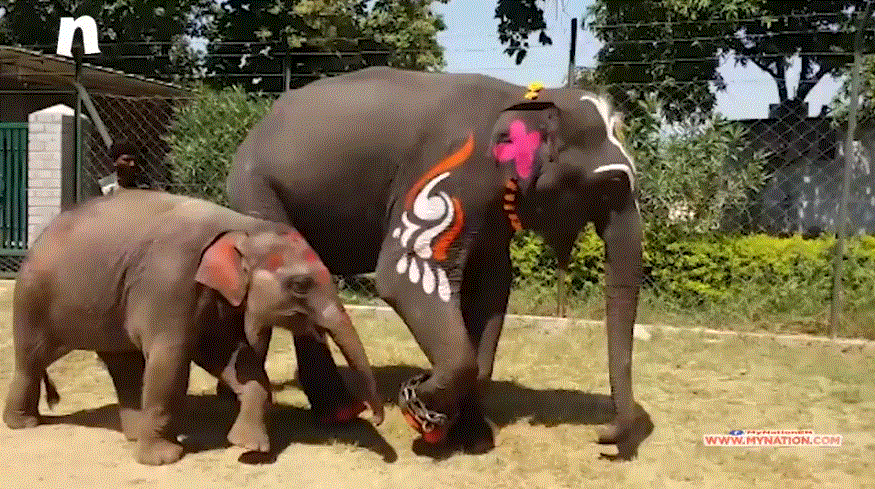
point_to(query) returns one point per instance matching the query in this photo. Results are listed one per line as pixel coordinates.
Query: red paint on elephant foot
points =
(433, 437)
(344, 414)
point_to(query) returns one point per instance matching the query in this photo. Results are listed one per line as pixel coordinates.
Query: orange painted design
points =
(510, 204)
(446, 164)
(440, 248)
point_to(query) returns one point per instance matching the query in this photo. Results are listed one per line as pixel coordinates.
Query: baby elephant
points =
(151, 281)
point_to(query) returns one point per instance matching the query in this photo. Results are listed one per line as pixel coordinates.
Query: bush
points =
(204, 136)
(755, 275)
(693, 176)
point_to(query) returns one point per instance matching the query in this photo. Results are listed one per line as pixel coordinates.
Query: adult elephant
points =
(423, 178)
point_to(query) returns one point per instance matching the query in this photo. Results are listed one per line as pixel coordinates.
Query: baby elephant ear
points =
(222, 268)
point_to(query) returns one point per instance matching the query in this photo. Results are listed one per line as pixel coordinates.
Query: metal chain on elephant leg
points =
(431, 424)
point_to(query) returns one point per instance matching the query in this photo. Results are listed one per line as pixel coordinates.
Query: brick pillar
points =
(51, 163)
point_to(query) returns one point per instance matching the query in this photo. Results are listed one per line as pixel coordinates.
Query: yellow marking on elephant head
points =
(534, 90)
(618, 130)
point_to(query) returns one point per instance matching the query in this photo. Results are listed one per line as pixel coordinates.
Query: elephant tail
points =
(52, 397)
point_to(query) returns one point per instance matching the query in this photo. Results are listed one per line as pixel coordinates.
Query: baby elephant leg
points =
(243, 373)
(165, 383)
(126, 370)
(22, 400)
(32, 355)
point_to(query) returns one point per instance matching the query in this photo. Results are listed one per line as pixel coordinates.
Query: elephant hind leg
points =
(126, 370)
(32, 355)
(22, 400)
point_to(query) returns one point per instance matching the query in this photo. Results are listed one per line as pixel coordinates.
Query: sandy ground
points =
(547, 396)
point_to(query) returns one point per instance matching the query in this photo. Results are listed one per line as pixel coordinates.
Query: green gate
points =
(13, 196)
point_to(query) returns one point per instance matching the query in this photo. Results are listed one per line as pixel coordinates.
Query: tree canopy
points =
(252, 38)
(136, 36)
(675, 46)
(680, 43)
(247, 40)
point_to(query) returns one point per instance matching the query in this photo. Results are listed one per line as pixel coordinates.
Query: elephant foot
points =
(130, 422)
(431, 424)
(250, 437)
(435, 436)
(472, 435)
(626, 435)
(158, 452)
(17, 421)
(613, 433)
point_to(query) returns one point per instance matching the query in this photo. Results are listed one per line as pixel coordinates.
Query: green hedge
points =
(204, 136)
(781, 274)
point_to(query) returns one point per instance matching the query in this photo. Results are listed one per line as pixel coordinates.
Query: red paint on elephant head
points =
(520, 149)
(274, 261)
(323, 276)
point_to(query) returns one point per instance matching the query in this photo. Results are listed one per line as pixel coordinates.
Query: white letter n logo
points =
(68, 28)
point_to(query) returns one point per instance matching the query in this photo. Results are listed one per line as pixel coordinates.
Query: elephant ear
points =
(222, 267)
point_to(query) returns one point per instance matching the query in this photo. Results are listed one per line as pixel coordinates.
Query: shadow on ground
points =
(208, 419)
(507, 402)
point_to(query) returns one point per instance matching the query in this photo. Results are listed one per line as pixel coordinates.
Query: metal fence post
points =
(837, 304)
(561, 272)
(77, 128)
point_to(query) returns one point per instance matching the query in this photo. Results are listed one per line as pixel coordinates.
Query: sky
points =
(471, 44)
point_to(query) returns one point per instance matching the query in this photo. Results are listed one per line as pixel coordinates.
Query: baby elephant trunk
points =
(332, 317)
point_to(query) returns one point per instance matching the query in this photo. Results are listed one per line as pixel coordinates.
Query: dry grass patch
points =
(545, 399)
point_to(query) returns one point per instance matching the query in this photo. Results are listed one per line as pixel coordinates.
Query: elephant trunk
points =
(333, 318)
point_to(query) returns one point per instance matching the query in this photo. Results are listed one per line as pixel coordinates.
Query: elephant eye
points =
(299, 284)
(503, 137)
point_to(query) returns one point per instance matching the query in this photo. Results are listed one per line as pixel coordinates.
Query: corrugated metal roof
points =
(23, 68)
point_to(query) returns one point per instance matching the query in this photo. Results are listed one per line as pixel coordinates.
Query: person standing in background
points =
(129, 172)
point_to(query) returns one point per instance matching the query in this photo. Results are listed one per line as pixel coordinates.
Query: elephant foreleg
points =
(329, 398)
(126, 370)
(620, 228)
(165, 383)
(431, 405)
(242, 371)
(485, 290)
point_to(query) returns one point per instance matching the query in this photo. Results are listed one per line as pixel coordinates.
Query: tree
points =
(254, 40)
(136, 36)
(518, 19)
(675, 42)
(675, 46)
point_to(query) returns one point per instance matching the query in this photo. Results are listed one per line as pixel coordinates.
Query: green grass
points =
(748, 313)
(548, 386)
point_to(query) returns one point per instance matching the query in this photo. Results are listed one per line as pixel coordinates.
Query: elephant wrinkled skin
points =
(423, 178)
(151, 281)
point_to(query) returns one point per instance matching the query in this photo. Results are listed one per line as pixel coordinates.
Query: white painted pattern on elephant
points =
(604, 109)
(437, 210)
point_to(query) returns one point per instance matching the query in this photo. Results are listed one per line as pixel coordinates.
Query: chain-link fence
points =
(741, 190)
(142, 122)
